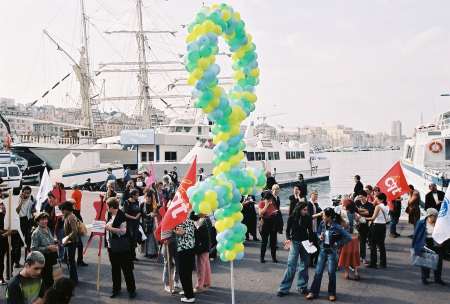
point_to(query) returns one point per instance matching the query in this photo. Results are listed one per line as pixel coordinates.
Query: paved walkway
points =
(257, 283)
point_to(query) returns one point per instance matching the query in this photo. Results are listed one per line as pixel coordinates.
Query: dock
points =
(400, 283)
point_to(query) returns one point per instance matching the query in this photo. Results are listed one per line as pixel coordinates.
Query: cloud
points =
(423, 40)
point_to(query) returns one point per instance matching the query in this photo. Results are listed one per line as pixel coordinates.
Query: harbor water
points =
(370, 165)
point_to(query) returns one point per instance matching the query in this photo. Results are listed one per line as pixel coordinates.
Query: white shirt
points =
(382, 215)
(436, 199)
(26, 208)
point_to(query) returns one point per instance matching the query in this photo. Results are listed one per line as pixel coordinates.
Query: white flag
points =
(45, 187)
(441, 231)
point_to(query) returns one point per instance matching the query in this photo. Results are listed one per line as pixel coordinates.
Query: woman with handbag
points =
(379, 219)
(423, 236)
(119, 250)
(149, 211)
(43, 241)
(268, 213)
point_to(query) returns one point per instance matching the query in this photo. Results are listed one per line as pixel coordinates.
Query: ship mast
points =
(144, 103)
(84, 75)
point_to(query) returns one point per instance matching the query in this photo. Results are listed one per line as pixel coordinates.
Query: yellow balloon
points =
(205, 207)
(230, 255)
(254, 72)
(226, 15)
(239, 247)
(203, 63)
(220, 226)
(237, 217)
(210, 196)
(228, 222)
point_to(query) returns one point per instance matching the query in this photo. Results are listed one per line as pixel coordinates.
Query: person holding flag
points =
(176, 219)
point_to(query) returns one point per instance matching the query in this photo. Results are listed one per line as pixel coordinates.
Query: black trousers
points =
(378, 236)
(268, 231)
(47, 273)
(438, 271)
(25, 227)
(363, 239)
(186, 259)
(121, 263)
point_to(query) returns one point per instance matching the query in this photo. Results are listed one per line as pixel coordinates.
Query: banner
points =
(45, 187)
(441, 231)
(393, 183)
(179, 208)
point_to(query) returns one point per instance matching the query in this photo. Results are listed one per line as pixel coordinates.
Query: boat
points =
(285, 160)
(426, 156)
(80, 168)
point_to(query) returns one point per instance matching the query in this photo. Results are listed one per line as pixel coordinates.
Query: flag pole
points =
(99, 261)
(169, 269)
(232, 282)
(9, 268)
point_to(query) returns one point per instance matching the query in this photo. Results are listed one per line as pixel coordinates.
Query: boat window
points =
(274, 155)
(3, 172)
(302, 154)
(199, 130)
(13, 171)
(288, 155)
(447, 149)
(260, 155)
(250, 156)
(151, 156)
(187, 129)
(170, 156)
(179, 129)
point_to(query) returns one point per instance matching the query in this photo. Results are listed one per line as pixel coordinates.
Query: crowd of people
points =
(333, 237)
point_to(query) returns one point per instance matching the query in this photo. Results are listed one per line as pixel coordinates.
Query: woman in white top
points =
(378, 231)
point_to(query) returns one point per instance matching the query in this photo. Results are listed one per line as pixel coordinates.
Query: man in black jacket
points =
(301, 184)
(359, 188)
(434, 198)
(299, 229)
(314, 208)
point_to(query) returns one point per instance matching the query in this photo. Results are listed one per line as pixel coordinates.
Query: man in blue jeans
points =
(299, 229)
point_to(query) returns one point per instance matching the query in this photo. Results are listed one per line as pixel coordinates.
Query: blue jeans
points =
(325, 255)
(295, 252)
(393, 225)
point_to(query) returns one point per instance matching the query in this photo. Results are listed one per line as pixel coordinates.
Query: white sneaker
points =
(178, 285)
(186, 300)
(167, 289)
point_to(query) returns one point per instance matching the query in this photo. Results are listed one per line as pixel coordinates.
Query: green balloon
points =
(205, 51)
(193, 56)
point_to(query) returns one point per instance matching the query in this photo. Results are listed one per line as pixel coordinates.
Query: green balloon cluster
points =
(222, 192)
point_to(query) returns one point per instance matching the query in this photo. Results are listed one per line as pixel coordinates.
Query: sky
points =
(324, 62)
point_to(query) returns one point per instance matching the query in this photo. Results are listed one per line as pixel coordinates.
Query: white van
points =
(12, 178)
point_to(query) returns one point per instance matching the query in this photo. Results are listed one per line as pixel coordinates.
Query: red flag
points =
(393, 183)
(178, 210)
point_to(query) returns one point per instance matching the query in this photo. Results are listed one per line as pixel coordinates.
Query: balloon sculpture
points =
(221, 193)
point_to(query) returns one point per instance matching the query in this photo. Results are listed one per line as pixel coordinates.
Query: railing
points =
(286, 177)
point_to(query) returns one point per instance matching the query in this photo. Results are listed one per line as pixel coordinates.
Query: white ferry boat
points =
(285, 160)
(426, 156)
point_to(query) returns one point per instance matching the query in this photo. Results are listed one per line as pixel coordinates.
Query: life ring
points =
(435, 147)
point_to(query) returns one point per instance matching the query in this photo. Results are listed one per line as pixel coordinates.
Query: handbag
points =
(82, 230)
(119, 244)
(427, 258)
